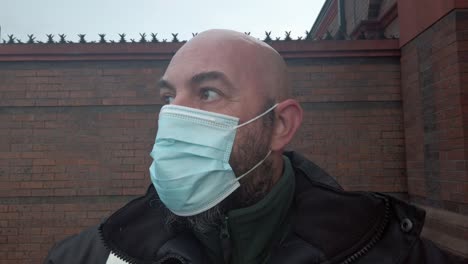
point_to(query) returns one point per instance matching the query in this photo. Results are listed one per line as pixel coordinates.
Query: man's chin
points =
(200, 223)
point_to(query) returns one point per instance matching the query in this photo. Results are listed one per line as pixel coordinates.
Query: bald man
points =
(225, 191)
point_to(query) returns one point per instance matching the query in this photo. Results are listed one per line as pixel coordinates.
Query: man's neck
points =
(277, 167)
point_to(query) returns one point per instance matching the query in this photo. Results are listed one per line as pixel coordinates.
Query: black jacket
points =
(328, 225)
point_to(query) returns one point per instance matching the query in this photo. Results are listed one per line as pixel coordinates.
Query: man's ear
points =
(288, 118)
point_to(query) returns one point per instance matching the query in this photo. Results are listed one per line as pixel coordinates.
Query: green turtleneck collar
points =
(254, 230)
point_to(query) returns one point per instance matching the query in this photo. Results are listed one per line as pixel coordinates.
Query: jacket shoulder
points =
(311, 171)
(85, 247)
(378, 228)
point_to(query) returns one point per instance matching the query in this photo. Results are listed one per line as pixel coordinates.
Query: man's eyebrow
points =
(211, 76)
(164, 84)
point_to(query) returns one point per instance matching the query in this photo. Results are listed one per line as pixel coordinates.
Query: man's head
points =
(230, 73)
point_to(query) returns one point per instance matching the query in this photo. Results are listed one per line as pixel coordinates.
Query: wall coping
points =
(165, 51)
(443, 219)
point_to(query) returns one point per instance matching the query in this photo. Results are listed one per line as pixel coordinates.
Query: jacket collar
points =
(335, 222)
(256, 228)
(137, 230)
(341, 224)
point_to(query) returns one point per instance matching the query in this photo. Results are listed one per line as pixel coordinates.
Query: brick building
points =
(433, 43)
(381, 83)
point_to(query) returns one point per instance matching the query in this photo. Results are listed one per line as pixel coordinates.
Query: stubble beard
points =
(252, 148)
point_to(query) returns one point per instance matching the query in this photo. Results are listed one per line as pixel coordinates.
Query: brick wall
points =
(74, 147)
(75, 135)
(434, 84)
(353, 121)
(416, 16)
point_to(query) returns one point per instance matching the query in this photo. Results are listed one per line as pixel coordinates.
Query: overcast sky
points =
(91, 17)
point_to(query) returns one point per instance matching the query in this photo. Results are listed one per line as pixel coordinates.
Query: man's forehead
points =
(199, 78)
(216, 48)
(190, 69)
(206, 64)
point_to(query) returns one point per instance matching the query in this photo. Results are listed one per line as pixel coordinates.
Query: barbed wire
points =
(62, 38)
(152, 38)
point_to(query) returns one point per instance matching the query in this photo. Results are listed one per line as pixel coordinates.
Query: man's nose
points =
(184, 99)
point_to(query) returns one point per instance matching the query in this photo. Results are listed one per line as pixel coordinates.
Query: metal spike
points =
(82, 38)
(11, 39)
(143, 38)
(102, 38)
(50, 39)
(122, 38)
(268, 36)
(62, 38)
(174, 37)
(31, 39)
(154, 38)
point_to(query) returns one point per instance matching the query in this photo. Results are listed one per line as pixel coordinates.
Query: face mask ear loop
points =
(255, 118)
(254, 167)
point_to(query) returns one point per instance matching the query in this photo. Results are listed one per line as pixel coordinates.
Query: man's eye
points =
(209, 95)
(167, 99)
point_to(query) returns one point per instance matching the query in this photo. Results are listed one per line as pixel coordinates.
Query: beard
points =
(252, 147)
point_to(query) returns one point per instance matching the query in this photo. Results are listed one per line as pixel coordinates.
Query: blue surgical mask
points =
(190, 168)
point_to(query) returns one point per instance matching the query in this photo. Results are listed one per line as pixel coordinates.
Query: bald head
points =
(252, 66)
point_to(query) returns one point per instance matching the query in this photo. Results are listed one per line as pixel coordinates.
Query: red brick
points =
(124, 94)
(3, 208)
(31, 185)
(32, 154)
(42, 162)
(39, 192)
(61, 94)
(132, 175)
(133, 191)
(9, 155)
(88, 191)
(45, 102)
(82, 94)
(64, 192)
(457, 154)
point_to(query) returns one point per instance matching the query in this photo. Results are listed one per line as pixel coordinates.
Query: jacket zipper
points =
(120, 254)
(225, 238)
(170, 259)
(378, 235)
